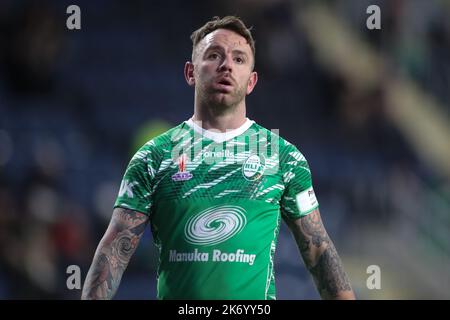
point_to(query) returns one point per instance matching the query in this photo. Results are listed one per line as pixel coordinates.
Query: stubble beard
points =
(220, 103)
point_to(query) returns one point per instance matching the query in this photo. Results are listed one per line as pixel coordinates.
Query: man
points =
(214, 190)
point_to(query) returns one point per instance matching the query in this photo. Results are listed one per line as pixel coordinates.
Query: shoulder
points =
(155, 147)
(168, 137)
(286, 149)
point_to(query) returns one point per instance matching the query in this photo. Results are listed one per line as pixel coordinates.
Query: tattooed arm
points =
(320, 257)
(113, 254)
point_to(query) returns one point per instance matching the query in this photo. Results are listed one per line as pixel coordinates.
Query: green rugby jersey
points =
(215, 201)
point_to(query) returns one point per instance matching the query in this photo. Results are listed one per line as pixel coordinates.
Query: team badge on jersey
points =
(182, 174)
(253, 168)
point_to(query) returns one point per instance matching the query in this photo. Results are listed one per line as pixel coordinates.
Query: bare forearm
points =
(329, 275)
(321, 258)
(104, 276)
(113, 254)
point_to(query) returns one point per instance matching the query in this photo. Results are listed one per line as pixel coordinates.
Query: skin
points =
(320, 257)
(113, 254)
(221, 55)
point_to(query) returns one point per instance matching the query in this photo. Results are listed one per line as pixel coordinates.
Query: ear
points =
(189, 73)
(252, 82)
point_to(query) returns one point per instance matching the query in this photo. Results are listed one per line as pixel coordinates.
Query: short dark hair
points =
(232, 23)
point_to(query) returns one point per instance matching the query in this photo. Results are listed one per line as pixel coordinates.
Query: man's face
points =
(222, 69)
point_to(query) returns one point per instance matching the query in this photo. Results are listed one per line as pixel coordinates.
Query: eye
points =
(239, 60)
(213, 56)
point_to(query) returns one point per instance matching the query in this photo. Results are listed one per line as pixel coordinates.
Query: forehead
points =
(226, 38)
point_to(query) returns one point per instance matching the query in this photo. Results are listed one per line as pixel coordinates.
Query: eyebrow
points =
(215, 47)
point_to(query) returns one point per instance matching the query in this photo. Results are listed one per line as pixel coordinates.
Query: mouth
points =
(225, 82)
(224, 85)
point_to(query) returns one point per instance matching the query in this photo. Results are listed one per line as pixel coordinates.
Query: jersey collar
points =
(219, 137)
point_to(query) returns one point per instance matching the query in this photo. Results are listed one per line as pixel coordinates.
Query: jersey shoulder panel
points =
(136, 188)
(298, 199)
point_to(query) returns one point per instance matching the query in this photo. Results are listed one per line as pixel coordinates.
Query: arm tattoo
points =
(113, 254)
(329, 273)
(321, 257)
(313, 227)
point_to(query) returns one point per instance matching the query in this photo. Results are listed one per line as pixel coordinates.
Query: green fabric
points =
(215, 208)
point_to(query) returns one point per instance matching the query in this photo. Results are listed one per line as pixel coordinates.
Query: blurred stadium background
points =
(368, 108)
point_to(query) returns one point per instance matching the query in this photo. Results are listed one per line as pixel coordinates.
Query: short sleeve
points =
(135, 189)
(298, 199)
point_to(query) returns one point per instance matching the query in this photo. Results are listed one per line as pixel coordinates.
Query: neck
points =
(210, 118)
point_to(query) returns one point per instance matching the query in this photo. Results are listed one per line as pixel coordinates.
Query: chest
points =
(219, 175)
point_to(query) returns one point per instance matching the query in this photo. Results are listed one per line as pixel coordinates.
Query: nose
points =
(226, 64)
